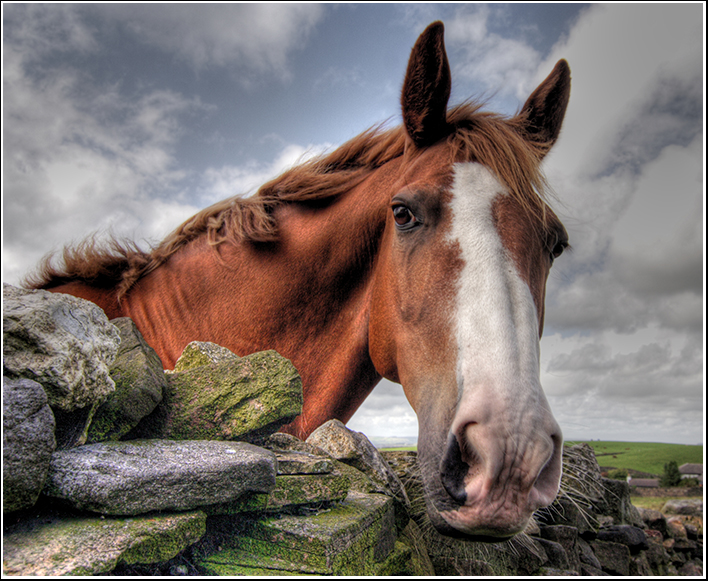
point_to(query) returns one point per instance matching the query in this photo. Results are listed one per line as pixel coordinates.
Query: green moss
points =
(289, 491)
(356, 537)
(88, 546)
(229, 401)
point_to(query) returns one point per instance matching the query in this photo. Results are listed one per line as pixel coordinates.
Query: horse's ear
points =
(542, 115)
(426, 88)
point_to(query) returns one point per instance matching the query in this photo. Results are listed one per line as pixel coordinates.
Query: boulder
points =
(64, 343)
(653, 519)
(690, 507)
(613, 557)
(302, 480)
(140, 381)
(128, 478)
(199, 353)
(567, 537)
(355, 449)
(27, 442)
(356, 537)
(617, 504)
(246, 399)
(628, 535)
(65, 545)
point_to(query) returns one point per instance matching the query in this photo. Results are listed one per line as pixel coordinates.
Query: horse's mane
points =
(491, 139)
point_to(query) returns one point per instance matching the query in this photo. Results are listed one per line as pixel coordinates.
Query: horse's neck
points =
(306, 296)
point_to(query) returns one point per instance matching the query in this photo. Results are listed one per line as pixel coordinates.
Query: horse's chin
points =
(464, 523)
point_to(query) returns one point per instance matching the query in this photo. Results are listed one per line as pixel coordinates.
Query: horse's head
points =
(457, 307)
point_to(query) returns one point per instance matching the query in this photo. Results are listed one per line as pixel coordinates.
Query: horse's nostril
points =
(453, 471)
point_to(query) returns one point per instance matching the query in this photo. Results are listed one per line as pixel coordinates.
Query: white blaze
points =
(497, 321)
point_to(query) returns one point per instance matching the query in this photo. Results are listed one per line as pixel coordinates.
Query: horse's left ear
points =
(426, 88)
(542, 115)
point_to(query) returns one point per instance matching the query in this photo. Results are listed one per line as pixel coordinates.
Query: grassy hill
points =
(647, 457)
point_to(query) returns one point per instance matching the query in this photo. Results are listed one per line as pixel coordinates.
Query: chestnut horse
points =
(418, 253)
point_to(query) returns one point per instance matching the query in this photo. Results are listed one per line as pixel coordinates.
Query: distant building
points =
(692, 471)
(643, 482)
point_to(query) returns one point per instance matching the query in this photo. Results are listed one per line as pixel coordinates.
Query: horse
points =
(418, 253)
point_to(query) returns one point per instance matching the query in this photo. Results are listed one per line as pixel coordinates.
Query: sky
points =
(129, 118)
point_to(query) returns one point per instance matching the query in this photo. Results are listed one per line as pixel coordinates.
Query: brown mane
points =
(493, 140)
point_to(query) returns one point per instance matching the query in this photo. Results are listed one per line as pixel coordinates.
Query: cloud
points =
(254, 37)
(231, 180)
(620, 384)
(500, 64)
(628, 171)
(79, 157)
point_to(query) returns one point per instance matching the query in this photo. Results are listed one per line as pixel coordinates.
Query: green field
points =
(644, 456)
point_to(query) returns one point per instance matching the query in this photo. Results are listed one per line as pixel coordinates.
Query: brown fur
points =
(488, 138)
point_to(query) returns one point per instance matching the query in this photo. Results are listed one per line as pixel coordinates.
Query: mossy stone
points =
(50, 546)
(245, 400)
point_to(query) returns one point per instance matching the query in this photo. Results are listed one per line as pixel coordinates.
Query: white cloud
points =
(256, 37)
(80, 158)
(226, 181)
(501, 65)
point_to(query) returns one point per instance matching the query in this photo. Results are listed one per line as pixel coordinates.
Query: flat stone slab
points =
(302, 463)
(290, 491)
(53, 546)
(353, 538)
(126, 478)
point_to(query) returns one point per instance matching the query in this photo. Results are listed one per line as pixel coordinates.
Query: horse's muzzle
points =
(495, 483)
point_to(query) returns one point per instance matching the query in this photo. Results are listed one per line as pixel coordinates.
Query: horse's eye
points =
(558, 250)
(403, 217)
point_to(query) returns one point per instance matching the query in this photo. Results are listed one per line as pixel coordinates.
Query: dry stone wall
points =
(185, 473)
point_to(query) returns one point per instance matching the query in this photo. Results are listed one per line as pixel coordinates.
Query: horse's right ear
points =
(426, 88)
(542, 115)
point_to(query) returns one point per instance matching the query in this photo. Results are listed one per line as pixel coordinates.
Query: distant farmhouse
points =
(692, 471)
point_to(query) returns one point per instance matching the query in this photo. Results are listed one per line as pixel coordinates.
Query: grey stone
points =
(590, 571)
(553, 572)
(675, 528)
(126, 478)
(691, 507)
(586, 554)
(529, 555)
(280, 441)
(631, 536)
(691, 569)
(653, 519)
(291, 491)
(355, 449)
(639, 565)
(199, 353)
(557, 557)
(64, 343)
(616, 503)
(581, 472)
(302, 463)
(27, 442)
(613, 557)
(140, 382)
(355, 538)
(567, 537)
(55, 546)
(247, 399)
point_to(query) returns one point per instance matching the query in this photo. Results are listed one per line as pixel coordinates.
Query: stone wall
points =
(664, 492)
(119, 468)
